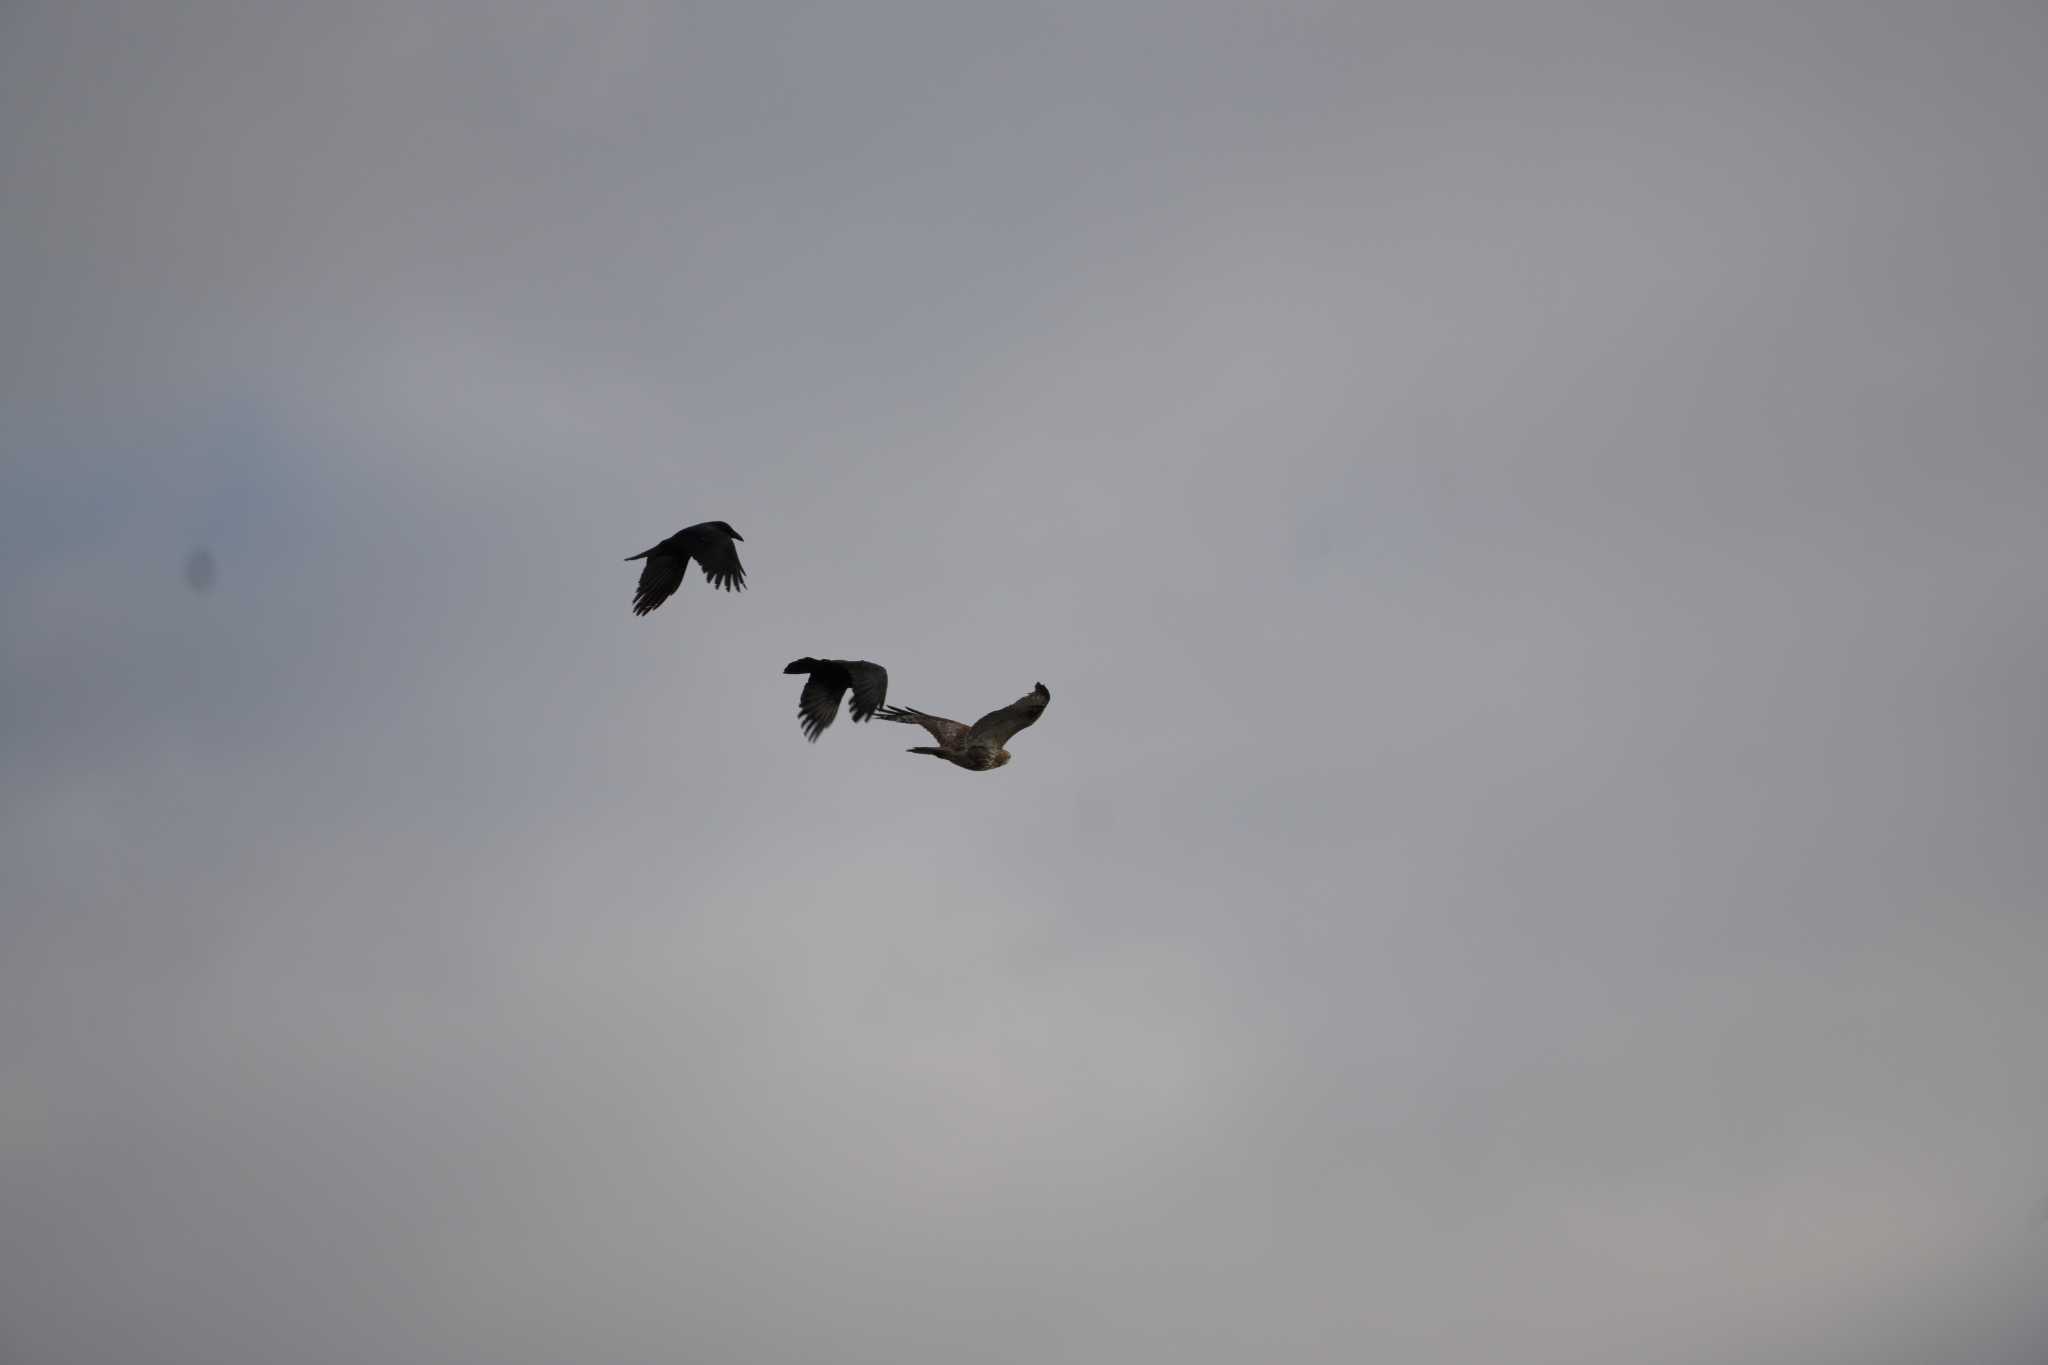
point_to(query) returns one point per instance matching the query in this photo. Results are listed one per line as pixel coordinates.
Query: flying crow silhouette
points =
(830, 678)
(709, 543)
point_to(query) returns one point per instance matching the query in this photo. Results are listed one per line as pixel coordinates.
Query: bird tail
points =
(802, 666)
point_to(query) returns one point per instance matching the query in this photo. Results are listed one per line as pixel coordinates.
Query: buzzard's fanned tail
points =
(947, 732)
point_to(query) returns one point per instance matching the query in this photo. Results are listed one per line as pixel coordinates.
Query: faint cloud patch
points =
(200, 570)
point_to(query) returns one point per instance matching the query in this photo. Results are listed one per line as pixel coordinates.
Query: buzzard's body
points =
(830, 680)
(709, 543)
(977, 747)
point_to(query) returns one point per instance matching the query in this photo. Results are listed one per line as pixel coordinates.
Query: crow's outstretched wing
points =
(870, 683)
(996, 728)
(710, 546)
(660, 576)
(817, 707)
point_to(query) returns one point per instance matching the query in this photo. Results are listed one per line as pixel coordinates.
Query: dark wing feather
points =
(819, 704)
(870, 687)
(949, 733)
(996, 728)
(660, 576)
(714, 550)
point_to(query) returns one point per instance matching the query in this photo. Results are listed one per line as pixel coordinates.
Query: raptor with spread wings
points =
(977, 747)
(830, 680)
(709, 543)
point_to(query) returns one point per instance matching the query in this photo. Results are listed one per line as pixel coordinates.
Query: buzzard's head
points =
(998, 758)
(726, 527)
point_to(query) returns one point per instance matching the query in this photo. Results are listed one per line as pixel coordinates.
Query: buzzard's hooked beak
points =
(737, 536)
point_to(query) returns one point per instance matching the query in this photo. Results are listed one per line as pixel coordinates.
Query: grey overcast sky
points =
(1531, 515)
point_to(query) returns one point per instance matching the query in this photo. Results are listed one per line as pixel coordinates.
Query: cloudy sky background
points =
(1530, 515)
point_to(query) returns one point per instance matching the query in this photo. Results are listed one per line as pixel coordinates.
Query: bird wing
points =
(949, 733)
(996, 728)
(870, 687)
(713, 549)
(819, 704)
(660, 576)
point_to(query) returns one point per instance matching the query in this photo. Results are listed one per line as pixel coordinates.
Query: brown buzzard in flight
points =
(977, 747)
(709, 543)
(830, 678)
